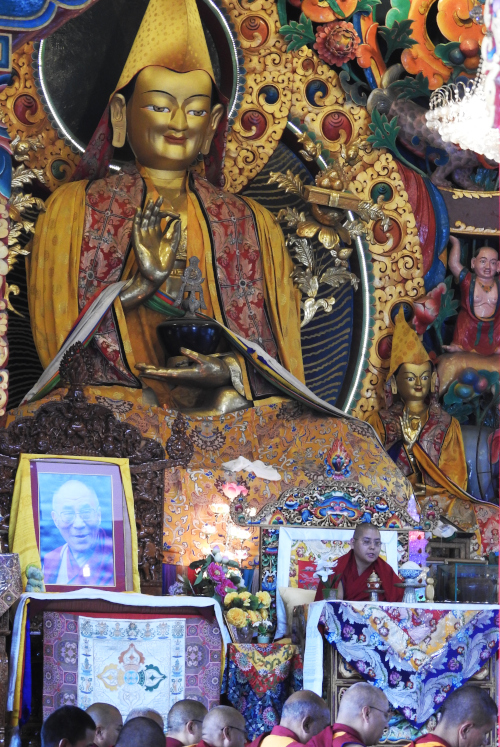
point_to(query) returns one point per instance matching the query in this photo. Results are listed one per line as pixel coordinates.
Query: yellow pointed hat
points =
(406, 345)
(170, 35)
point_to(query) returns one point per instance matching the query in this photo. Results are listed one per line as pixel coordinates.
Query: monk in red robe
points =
(361, 719)
(466, 719)
(352, 570)
(223, 726)
(184, 722)
(304, 715)
(108, 723)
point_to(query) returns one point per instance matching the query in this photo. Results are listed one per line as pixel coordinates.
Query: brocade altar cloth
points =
(60, 660)
(416, 655)
(131, 663)
(259, 680)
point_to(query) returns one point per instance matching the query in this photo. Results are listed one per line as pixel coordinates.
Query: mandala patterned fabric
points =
(202, 654)
(131, 663)
(260, 678)
(60, 660)
(416, 656)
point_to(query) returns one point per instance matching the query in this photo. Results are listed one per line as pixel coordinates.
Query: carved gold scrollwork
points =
(25, 117)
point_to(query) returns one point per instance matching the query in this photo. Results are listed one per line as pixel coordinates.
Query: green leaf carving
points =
(412, 88)
(384, 136)
(298, 34)
(398, 12)
(397, 37)
(443, 51)
(367, 5)
(336, 8)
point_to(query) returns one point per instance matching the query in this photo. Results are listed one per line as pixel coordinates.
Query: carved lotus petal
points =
(308, 228)
(328, 237)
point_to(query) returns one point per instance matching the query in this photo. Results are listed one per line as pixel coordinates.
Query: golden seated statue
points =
(426, 442)
(140, 226)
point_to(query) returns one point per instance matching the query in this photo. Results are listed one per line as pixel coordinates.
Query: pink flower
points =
(224, 587)
(216, 572)
(231, 490)
(336, 42)
(427, 308)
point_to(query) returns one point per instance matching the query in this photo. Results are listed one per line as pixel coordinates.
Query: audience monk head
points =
(224, 726)
(108, 723)
(146, 713)
(306, 714)
(366, 543)
(141, 731)
(184, 721)
(69, 726)
(366, 709)
(467, 717)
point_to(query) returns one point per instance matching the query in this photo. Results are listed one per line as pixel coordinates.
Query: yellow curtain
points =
(22, 537)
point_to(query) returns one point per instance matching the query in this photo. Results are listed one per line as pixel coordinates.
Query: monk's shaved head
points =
(365, 528)
(366, 709)
(224, 726)
(108, 723)
(469, 703)
(146, 713)
(104, 713)
(306, 714)
(141, 731)
(184, 721)
(184, 711)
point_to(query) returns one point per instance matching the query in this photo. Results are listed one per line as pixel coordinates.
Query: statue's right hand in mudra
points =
(155, 251)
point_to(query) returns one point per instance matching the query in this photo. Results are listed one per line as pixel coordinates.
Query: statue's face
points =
(485, 265)
(169, 119)
(414, 382)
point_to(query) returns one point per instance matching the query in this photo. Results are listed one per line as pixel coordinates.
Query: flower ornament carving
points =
(337, 42)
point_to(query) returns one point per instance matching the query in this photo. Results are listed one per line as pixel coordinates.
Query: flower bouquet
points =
(263, 630)
(216, 576)
(324, 569)
(243, 611)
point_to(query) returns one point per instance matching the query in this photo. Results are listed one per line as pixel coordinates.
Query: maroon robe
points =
(355, 585)
(429, 740)
(100, 564)
(336, 736)
(277, 731)
(172, 742)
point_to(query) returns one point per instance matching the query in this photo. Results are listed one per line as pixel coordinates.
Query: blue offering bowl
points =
(410, 572)
(200, 335)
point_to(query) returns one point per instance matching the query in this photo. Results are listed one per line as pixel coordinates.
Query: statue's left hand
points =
(190, 369)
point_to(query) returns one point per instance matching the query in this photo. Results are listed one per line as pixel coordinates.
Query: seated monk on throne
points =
(144, 223)
(423, 439)
(352, 570)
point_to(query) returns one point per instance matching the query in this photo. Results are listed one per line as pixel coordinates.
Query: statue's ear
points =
(215, 117)
(433, 382)
(394, 386)
(118, 109)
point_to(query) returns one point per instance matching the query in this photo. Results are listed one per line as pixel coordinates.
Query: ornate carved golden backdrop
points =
(279, 86)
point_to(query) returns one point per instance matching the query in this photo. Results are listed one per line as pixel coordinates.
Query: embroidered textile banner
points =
(131, 663)
(60, 661)
(260, 678)
(416, 656)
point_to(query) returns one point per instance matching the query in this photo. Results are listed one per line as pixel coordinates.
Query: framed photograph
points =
(300, 549)
(81, 524)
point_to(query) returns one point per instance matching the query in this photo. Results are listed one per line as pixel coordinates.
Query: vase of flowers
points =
(325, 571)
(263, 630)
(217, 575)
(245, 610)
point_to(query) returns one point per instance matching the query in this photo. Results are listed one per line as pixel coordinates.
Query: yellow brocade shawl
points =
(53, 269)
